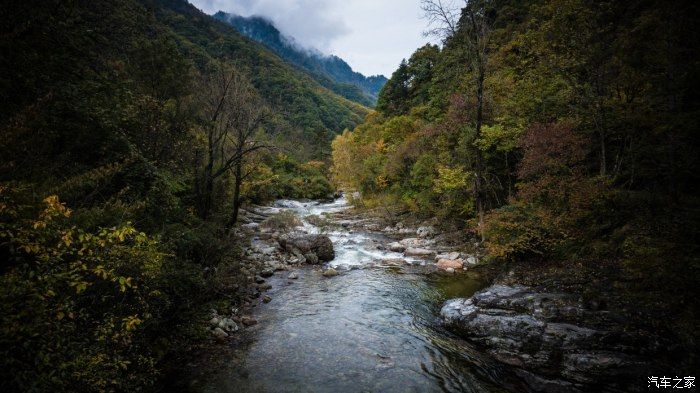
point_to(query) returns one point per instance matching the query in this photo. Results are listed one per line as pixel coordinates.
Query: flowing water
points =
(371, 329)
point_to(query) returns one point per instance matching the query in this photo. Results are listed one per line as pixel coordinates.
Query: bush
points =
(76, 307)
(516, 232)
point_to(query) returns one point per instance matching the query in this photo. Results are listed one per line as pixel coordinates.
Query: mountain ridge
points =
(330, 71)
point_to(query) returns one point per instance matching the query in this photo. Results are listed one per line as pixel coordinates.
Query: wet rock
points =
(426, 232)
(267, 273)
(248, 321)
(450, 270)
(450, 264)
(259, 280)
(264, 287)
(320, 245)
(330, 273)
(293, 276)
(396, 247)
(472, 261)
(419, 252)
(267, 299)
(557, 343)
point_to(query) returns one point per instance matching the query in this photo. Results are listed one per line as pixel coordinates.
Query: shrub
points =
(75, 306)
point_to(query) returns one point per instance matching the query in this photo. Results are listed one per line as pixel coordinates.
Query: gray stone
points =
(320, 245)
(558, 344)
(418, 252)
(293, 275)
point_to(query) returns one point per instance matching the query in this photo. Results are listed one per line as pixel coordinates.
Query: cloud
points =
(312, 23)
(371, 35)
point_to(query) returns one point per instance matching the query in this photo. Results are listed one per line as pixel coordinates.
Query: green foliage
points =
(76, 306)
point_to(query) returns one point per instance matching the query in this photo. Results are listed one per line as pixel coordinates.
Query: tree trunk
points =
(236, 194)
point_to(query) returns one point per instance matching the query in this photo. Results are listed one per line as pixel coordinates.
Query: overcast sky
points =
(371, 35)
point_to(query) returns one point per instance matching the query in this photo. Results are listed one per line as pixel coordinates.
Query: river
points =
(370, 329)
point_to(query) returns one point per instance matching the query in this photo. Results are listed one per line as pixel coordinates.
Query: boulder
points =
(450, 264)
(259, 280)
(396, 247)
(554, 341)
(418, 252)
(293, 276)
(320, 245)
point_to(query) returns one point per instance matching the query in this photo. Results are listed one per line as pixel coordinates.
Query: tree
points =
(232, 115)
(472, 30)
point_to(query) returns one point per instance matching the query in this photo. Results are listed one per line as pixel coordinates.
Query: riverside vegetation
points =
(563, 136)
(557, 138)
(130, 134)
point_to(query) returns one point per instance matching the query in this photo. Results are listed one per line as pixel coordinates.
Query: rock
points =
(311, 258)
(472, 261)
(557, 344)
(450, 264)
(259, 280)
(320, 245)
(330, 273)
(267, 299)
(293, 276)
(450, 270)
(267, 273)
(393, 262)
(418, 252)
(214, 321)
(264, 287)
(396, 247)
(426, 232)
(411, 242)
(228, 325)
(449, 255)
(220, 334)
(248, 321)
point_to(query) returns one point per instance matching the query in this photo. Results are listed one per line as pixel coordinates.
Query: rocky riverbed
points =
(342, 302)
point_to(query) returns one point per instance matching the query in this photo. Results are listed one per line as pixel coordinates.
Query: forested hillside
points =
(331, 71)
(130, 134)
(560, 135)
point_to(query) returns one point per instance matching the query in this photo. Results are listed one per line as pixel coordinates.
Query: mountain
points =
(331, 71)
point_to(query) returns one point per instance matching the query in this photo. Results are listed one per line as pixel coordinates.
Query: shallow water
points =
(371, 329)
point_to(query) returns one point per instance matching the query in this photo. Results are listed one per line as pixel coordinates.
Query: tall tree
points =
(469, 27)
(232, 115)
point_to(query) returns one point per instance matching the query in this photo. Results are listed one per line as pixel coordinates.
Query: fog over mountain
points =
(331, 71)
